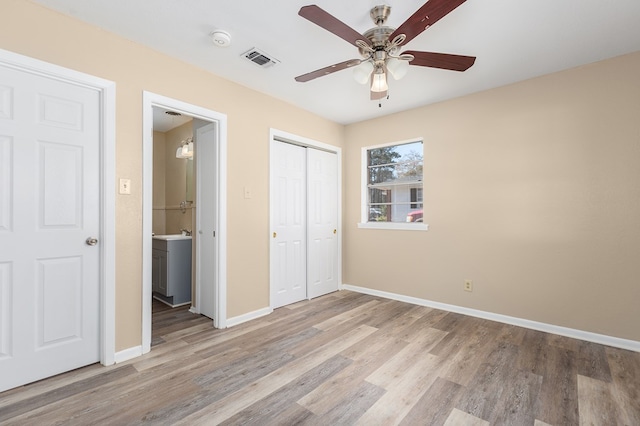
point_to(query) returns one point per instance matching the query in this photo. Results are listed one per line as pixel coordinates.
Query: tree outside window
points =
(394, 182)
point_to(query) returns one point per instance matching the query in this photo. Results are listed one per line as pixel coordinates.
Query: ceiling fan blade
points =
(444, 61)
(430, 13)
(332, 24)
(328, 70)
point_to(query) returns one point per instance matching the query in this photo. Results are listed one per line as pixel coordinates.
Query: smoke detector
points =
(221, 38)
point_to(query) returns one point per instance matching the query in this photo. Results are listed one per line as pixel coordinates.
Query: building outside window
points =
(394, 175)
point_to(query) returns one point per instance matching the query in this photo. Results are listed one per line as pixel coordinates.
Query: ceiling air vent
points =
(260, 58)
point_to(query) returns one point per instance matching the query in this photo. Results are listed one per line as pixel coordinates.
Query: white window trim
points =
(364, 217)
(397, 226)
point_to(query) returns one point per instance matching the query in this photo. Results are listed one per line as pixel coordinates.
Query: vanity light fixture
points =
(185, 150)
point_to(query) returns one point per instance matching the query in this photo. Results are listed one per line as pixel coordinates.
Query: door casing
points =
(150, 100)
(107, 153)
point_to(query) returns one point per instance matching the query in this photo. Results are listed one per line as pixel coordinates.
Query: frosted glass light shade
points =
(362, 72)
(397, 68)
(185, 151)
(379, 82)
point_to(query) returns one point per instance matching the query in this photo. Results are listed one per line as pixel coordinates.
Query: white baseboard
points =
(602, 339)
(160, 299)
(248, 316)
(128, 354)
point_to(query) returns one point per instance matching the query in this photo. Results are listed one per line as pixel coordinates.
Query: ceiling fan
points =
(379, 46)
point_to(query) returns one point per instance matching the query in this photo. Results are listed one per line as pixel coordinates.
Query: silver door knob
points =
(91, 241)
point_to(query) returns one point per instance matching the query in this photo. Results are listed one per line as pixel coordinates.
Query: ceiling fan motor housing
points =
(379, 38)
(379, 14)
(379, 35)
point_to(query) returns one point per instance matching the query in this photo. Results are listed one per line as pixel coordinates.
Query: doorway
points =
(215, 185)
(305, 218)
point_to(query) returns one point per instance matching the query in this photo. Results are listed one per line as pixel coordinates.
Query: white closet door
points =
(322, 257)
(49, 207)
(289, 220)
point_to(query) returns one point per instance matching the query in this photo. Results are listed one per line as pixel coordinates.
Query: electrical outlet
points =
(468, 285)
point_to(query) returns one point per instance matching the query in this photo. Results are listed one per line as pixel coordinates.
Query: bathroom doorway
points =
(190, 206)
(173, 221)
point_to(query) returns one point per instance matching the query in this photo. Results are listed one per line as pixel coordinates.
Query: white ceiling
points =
(163, 122)
(512, 40)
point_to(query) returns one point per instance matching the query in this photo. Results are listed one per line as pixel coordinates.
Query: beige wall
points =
(531, 190)
(170, 182)
(49, 36)
(159, 219)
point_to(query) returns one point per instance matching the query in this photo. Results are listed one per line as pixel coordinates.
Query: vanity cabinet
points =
(159, 272)
(171, 270)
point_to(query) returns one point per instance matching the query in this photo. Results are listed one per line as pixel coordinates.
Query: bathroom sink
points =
(172, 237)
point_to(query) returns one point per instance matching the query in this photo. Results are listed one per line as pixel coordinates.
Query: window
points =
(392, 186)
(416, 198)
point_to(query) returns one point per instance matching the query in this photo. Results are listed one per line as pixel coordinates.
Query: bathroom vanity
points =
(171, 269)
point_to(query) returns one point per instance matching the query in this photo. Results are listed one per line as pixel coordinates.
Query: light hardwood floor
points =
(343, 359)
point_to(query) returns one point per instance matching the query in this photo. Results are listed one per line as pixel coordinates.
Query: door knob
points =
(91, 241)
(335, 231)
(275, 235)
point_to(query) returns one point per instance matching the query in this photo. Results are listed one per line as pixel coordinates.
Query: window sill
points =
(398, 226)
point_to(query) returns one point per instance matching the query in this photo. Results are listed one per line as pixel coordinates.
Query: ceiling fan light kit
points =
(379, 45)
(379, 81)
(362, 72)
(397, 67)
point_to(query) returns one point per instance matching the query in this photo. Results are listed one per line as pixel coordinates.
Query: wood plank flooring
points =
(343, 359)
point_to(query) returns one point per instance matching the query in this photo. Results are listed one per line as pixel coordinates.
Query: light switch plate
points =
(247, 193)
(125, 186)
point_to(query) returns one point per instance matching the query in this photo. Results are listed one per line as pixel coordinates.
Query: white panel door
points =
(289, 219)
(322, 224)
(49, 206)
(206, 204)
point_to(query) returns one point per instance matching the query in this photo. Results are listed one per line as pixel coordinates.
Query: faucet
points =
(185, 232)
